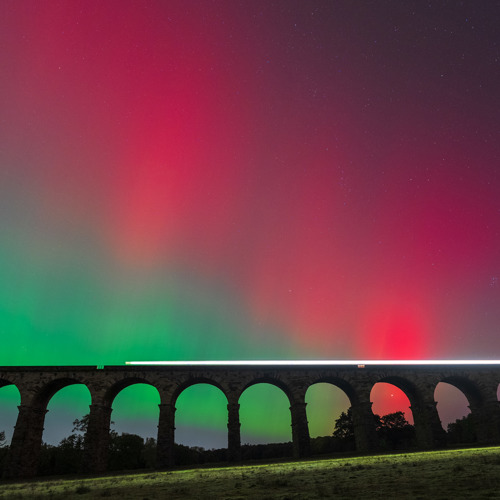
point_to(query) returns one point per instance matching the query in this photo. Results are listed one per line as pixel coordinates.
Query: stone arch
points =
(408, 400)
(194, 381)
(166, 425)
(358, 394)
(201, 406)
(341, 383)
(428, 429)
(27, 438)
(4, 382)
(468, 387)
(42, 397)
(97, 436)
(272, 381)
(119, 385)
(10, 401)
(65, 405)
(134, 422)
(325, 402)
(134, 403)
(410, 390)
(485, 416)
(68, 404)
(266, 421)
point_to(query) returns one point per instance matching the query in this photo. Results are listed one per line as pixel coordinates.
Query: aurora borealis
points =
(249, 180)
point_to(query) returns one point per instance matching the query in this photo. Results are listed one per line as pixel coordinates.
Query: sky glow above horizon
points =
(249, 180)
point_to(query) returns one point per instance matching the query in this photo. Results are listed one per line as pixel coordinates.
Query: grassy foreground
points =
(448, 474)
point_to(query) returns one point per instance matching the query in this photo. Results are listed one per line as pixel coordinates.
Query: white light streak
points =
(323, 362)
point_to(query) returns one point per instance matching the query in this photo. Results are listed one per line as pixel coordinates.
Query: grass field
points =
(447, 474)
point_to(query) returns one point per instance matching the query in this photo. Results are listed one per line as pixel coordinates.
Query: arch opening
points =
(196, 381)
(62, 447)
(265, 421)
(64, 407)
(454, 413)
(393, 415)
(10, 399)
(388, 398)
(325, 404)
(200, 424)
(134, 427)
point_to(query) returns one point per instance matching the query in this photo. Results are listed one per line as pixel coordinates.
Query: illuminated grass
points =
(467, 473)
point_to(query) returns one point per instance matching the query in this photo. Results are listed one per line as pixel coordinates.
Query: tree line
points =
(130, 451)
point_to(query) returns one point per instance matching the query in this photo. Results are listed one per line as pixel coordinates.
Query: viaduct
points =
(37, 384)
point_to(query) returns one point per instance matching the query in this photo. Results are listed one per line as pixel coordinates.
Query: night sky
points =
(248, 180)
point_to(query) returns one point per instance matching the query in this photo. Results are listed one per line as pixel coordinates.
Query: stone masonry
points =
(37, 385)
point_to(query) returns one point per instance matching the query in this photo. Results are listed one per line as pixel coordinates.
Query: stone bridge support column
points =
(96, 441)
(26, 442)
(486, 420)
(428, 429)
(233, 432)
(364, 427)
(166, 437)
(300, 430)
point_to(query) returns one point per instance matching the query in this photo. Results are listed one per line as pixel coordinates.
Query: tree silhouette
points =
(344, 426)
(462, 430)
(393, 430)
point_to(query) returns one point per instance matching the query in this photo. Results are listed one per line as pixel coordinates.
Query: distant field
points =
(449, 474)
